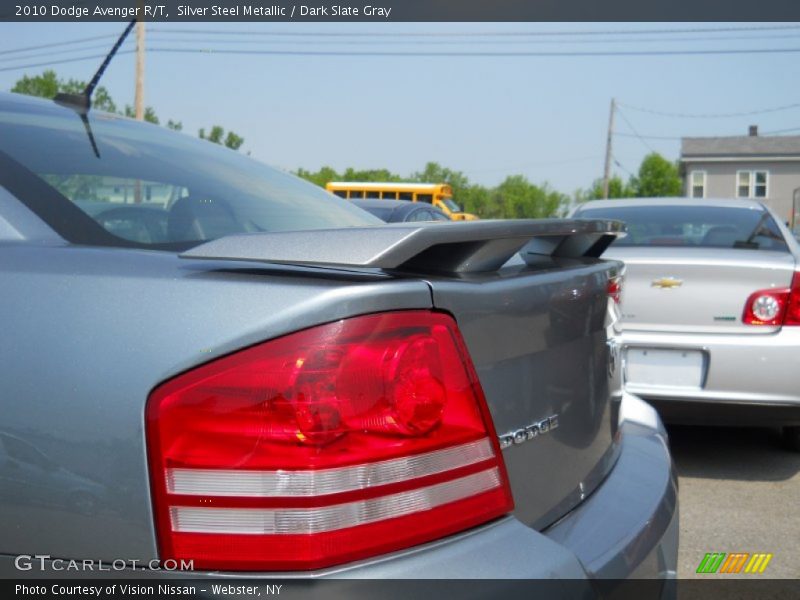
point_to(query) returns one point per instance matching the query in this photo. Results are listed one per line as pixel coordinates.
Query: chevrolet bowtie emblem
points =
(667, 283)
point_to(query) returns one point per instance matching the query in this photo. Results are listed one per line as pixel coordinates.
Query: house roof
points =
(740, 146)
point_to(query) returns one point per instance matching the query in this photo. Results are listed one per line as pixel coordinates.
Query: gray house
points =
(751, 166)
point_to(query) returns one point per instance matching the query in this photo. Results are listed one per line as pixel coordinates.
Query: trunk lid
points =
(531, 301)
(538, 342)
(698, 290)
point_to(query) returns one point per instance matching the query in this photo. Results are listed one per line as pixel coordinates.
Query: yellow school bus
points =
(439, 195)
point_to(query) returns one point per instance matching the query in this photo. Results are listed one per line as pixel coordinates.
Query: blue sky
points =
(543, 117)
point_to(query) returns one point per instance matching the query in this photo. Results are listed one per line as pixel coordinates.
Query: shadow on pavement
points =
(746, 454)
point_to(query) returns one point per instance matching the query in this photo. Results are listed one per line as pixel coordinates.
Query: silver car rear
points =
(695, 272)
(252, 375)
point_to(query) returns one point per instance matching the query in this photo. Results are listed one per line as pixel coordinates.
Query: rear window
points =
(140, 185)
(711, 226)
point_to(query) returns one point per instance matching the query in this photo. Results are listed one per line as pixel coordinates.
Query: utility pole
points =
(138, 99)
(139, 96)
(607, 171)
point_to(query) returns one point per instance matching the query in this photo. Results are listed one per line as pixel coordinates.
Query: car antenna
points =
(81, 103)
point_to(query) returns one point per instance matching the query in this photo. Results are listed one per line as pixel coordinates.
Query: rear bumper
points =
(627, 528)
(757, 371)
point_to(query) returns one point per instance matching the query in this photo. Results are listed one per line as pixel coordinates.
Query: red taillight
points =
(774, 307)
(793, 304)
(615, 288)
(343, 441)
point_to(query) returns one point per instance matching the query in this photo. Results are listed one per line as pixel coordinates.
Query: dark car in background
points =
(401, 211)
(269, 381)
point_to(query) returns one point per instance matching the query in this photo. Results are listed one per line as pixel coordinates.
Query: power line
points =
(620, 165)
(470, 35)
(480, 54)
(749, 113)
(50, 53)
(425, 54)
(779, 131)
(648, 137)
(476, 33)
(450, 42)
(633, 129)
(59, 62)
(56, 44)
(674, 137)
(352, 43)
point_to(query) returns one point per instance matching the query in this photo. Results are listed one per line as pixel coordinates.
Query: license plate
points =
(664, 368)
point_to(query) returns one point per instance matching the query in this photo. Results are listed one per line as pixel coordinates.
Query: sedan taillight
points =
(775, 306)
(615, 288)
(343, 441)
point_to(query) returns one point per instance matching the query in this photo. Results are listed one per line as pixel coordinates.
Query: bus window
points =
(405, 196)
(356, 194)
(373, 194)
(341, 193)
(425, 198)
(390, 195)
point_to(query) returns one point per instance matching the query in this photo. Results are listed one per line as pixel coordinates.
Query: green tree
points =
(518, 198)
(435, 173)
(326, 174)
(469, 197)
(48, 84)
(617, 188)
(217, 136)
(515, 198)
(657, 177)
(149, 114)
(321, 177)
(352, 174)
(474, 199)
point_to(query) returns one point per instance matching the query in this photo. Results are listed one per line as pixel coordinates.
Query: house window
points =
(752, 184)
(697, 182)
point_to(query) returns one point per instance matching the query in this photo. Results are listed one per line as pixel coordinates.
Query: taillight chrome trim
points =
(786, 299)
(296, 521)
(322, 482)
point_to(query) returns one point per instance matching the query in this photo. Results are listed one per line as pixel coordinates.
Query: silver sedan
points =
(711, 310)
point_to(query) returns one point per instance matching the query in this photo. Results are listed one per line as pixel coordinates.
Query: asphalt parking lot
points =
(739, 492)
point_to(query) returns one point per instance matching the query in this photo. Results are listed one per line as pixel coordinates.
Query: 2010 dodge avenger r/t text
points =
(208, 360)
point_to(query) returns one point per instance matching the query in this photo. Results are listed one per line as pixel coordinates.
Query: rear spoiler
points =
(463, 247)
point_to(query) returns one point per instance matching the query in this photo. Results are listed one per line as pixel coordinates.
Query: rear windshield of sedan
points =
(114, 181)
(711, 226)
